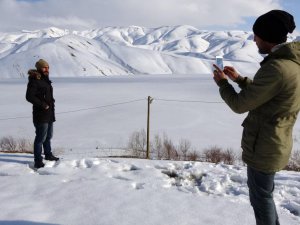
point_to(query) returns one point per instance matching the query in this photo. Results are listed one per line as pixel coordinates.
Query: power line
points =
(119, 103)
(14, 118)
(103, 106)
(187, 101)
(78, 110)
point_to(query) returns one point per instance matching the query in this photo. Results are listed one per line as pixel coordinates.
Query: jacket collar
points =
(288, 50)
(36, 75)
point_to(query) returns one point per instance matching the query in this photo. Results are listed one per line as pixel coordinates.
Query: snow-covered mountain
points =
(126, 50)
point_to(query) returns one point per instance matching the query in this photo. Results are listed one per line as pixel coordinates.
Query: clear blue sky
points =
(88, 14)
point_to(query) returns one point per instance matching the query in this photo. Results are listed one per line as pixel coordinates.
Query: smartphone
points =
(219, 62)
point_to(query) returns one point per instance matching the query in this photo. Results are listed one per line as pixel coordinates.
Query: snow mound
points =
(172, 192)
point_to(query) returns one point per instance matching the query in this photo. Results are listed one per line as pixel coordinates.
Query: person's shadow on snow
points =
(22, 222)
(10, 158)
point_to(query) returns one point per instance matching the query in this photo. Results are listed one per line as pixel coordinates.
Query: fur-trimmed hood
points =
(34, 74)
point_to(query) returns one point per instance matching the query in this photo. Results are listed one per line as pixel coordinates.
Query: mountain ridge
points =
(129, 50)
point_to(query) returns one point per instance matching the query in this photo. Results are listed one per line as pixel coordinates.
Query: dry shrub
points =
(229, 157)
(193, 156)
(169, 149)
(217, 155)
(294, 162)
(157, 147)
(138, 143)
(10, 144)
(164, 148)
(184, 147)
(161, 147)
(213, 155)
(25, 145)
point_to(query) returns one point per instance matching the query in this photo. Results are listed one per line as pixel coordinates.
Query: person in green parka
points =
(272, 100)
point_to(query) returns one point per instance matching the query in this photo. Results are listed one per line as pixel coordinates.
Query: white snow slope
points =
(103, 191)
(126, 50)
(84, 189)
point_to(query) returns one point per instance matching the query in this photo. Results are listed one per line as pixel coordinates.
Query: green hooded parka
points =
(272, 99)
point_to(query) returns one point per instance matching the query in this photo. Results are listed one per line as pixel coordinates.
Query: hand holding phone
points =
(219, 62)
(231, 73)
(218, 69)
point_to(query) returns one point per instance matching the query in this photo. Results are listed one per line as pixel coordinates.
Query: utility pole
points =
(148, 127)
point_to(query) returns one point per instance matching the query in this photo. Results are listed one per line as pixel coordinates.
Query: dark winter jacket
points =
(40, 94)
(273, 102)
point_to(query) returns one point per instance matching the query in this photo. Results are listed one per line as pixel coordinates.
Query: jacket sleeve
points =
(243, 82)
(31, 95)
(266, 84)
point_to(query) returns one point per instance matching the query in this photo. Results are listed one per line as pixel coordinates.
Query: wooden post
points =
(148, 128)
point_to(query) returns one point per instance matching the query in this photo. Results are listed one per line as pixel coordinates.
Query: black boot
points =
(38, 164)
(51, 158)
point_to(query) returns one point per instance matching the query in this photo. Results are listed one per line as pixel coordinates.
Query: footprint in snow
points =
(51, 164)
(43, 171)
(84, 163)
(159, 167)
(138, 186)
(126, 168)
(292, 207)
(121, 178)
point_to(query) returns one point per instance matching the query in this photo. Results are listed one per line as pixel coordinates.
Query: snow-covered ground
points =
(110, 191)
(96, 114)
(89, 114)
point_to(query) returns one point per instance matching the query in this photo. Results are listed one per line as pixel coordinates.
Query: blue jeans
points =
(261, 187)
(44, 133)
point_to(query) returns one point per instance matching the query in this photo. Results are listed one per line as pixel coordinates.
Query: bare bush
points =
(25, 145)
(294, 162)
(137, 143)
(193, 156)
(292, 166)
(213, 155)
(169, 150)
(216, 155)
(8, 144)
(157, 147)
(164, 148)
(229, 157)
(184, 147)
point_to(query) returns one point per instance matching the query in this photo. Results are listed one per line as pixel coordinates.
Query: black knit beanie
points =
(274, 26)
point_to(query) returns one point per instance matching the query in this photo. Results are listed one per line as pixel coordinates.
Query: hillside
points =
(126, 50)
